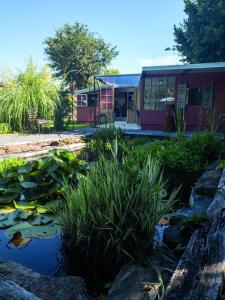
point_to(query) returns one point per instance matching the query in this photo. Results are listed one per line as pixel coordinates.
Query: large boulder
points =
(133, 283)
(44, 287)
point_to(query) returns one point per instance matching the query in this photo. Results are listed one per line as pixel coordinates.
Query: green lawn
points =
(74, 125)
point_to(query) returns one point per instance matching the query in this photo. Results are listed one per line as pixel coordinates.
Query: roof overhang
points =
(183, 69)
(120, 80)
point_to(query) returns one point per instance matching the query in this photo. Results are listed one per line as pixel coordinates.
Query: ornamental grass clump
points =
(31, 90)
(114, 209)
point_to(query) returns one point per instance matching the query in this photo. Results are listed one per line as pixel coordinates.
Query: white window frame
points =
(82, 100)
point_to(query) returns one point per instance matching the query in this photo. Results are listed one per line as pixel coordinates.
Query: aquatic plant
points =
(113, 211)
(40, 179)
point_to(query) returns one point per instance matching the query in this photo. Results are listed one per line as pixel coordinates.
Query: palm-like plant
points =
(29, 90)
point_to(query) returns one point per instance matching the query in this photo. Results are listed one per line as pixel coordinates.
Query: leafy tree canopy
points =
(111, 72)
(76, 50)
(201, 37)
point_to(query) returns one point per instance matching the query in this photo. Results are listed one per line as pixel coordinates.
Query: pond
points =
(42, 255)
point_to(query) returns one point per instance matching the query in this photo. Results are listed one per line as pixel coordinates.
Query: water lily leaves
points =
(28, 231)
(42, 220)
(46, 231)
(24, 228)
(12, 218)
(7, 220)
(25, 169)
(22, 215)
(28, 184)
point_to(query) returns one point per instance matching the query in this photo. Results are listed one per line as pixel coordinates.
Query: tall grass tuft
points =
(113, 211)
(180, 123)
(29, 90)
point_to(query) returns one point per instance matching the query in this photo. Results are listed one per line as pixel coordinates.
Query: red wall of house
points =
(154, 119)
(85, 114)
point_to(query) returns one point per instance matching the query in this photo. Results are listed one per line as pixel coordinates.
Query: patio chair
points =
(35, 122)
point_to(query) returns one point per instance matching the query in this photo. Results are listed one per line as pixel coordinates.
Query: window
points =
(92, 99)
(202, 95)
(194, 96)
(82, 100)
(106, 99)
(158, 91)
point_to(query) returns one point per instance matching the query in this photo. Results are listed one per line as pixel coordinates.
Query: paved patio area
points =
(16, 139)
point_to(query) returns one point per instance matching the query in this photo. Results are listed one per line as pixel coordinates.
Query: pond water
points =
(42, 255)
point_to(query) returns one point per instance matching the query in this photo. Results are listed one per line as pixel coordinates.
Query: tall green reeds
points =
(113, 211)
(180, 123)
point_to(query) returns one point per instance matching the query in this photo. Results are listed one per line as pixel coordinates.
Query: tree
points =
(201, 37)
(33, 90)
(74, 47)
(111, 72)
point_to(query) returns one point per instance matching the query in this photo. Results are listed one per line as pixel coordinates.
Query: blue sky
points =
(141, 29)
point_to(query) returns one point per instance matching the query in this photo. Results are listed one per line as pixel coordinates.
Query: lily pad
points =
(46, 231)
(28, 184)
(24, 228)
(42, 220)
(28, 231)
(7, 220)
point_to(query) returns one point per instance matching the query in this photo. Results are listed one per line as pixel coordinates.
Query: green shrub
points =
(190, 155)
(183, 160)
(113, 211)
(5, 128)
(100, 142)
(10, 164)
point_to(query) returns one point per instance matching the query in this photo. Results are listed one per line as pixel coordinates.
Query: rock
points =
(15, 149)
(3, 151)
(159, 234)
(208, 182)
(185, 212)
(173, 235)
(44, 287)
(133, 283)
(12, 291)
(54, 143)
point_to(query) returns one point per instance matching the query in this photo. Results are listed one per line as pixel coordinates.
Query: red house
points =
(144, 99)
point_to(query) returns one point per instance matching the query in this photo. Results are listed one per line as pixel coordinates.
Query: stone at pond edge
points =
(208, 182)
(44, 287)
(132, 284)
(173, 236)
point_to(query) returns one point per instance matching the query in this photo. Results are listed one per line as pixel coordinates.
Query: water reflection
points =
(42, 255)
(17, 241)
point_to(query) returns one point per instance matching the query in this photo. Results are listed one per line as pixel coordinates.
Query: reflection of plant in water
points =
(18, 242)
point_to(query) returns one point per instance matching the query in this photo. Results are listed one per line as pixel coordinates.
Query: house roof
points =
(188, 68)
(89, 90)
(120, 80)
